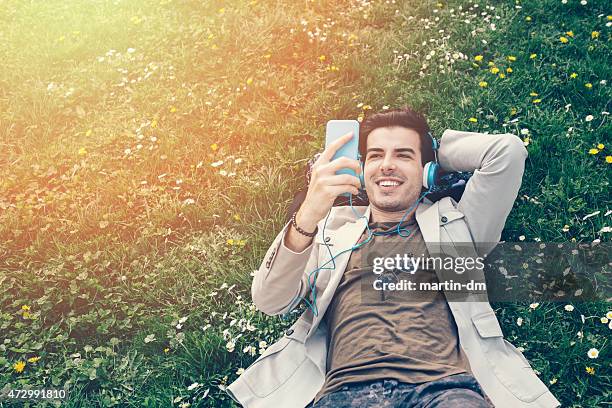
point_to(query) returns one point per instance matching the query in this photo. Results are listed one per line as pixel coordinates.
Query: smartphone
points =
(336, 129)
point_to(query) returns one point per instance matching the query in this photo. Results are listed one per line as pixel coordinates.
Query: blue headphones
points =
(431, 170)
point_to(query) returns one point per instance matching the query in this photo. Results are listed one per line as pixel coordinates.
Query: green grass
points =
(108, 246)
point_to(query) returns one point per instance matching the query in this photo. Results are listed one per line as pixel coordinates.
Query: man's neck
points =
(378, 216)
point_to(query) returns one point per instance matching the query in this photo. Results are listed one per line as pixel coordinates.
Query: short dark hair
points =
(402, 117)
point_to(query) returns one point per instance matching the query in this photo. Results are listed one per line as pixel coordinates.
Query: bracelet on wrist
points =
(300, 230)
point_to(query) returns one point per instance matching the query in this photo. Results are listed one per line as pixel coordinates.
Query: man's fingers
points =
(343, 180)
(330, 150)
(337, 190)
(345, 162)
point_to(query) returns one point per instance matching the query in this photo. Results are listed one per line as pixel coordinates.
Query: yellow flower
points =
(595, 34)
(222, 10)
(528, 18)
(237, 217)
(483, 84)
(609, 314)
(267, 56)
(573, 75)
(588, 85)
(33, 359)
(532, 93)
(322, 58)
(173, 109)
(604, 320)
(19, 366)
(570, 33)
(502, 75)
(491, 63)
(537, 100)
(230, 241)
(608, 159)
(553, 381)
(478, 58)
(593, 151)
(249, 81)
(26, 315)
(154, 123)
(88, 133)
(508, 70)
(609, 18)
(600, 146)
(82, 151)
(563, 39)
(513, 111)
(25, 307)
(511, 58)
(526, 141)
(590, 370)
(494, 70)
(166, 350)
(532, 56)
(214, 147)
(473, 120)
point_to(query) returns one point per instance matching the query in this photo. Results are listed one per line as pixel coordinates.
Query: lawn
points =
(149, 152)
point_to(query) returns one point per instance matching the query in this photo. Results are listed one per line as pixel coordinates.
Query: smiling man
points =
(358, 346)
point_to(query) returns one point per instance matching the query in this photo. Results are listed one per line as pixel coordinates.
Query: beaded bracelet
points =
(301, 231)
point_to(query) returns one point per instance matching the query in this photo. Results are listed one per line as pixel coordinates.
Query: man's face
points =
(393, 171)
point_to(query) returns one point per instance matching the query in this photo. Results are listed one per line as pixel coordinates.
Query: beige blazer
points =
(291, 371)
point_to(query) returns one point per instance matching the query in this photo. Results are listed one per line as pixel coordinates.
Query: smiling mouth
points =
(388, 185)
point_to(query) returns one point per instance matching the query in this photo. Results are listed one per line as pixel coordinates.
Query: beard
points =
(395, 202)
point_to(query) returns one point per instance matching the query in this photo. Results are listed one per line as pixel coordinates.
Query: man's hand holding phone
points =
(325, 185)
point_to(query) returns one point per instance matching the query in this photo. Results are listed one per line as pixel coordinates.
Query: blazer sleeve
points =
(497, 162)
(282, 276)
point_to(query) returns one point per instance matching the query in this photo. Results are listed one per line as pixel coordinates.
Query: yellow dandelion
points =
(588, 85)
(595, 34)
(237, 217)
(478, 58)
(230, 241)
(590, 370)
(322, 58)
(573, 75)
(166, 350)
(173, 109)
(494, 70)
(563, 39)
(214, 147)
(609, 18)
(26, 315)
(537, 101)
(473, 120)
(19, 366)
(154, 123)
(491, 63)
(593, 151)
(25, 307)
(608, 159)
(33, 359)
(82, 151)
(502, 75)
(570, 33)
(249, 81)
(511, 58)
(600, 146)
(483, 84)
(508, 70)
(528, 18)
(533, 93)
(532, 56)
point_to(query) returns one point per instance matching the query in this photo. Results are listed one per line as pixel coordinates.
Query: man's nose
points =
(387, 163)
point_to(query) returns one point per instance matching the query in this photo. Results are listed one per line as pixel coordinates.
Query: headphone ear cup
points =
(430, 174)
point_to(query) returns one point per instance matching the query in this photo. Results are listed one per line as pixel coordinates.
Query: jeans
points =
(458, 390)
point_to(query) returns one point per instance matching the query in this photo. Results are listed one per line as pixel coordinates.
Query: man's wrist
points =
(305, 221)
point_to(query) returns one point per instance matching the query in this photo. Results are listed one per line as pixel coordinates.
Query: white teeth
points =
(388, 183)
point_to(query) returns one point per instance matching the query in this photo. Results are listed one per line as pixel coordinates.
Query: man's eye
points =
(405, 155)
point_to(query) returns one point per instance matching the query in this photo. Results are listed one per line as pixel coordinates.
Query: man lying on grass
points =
(358, 346)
